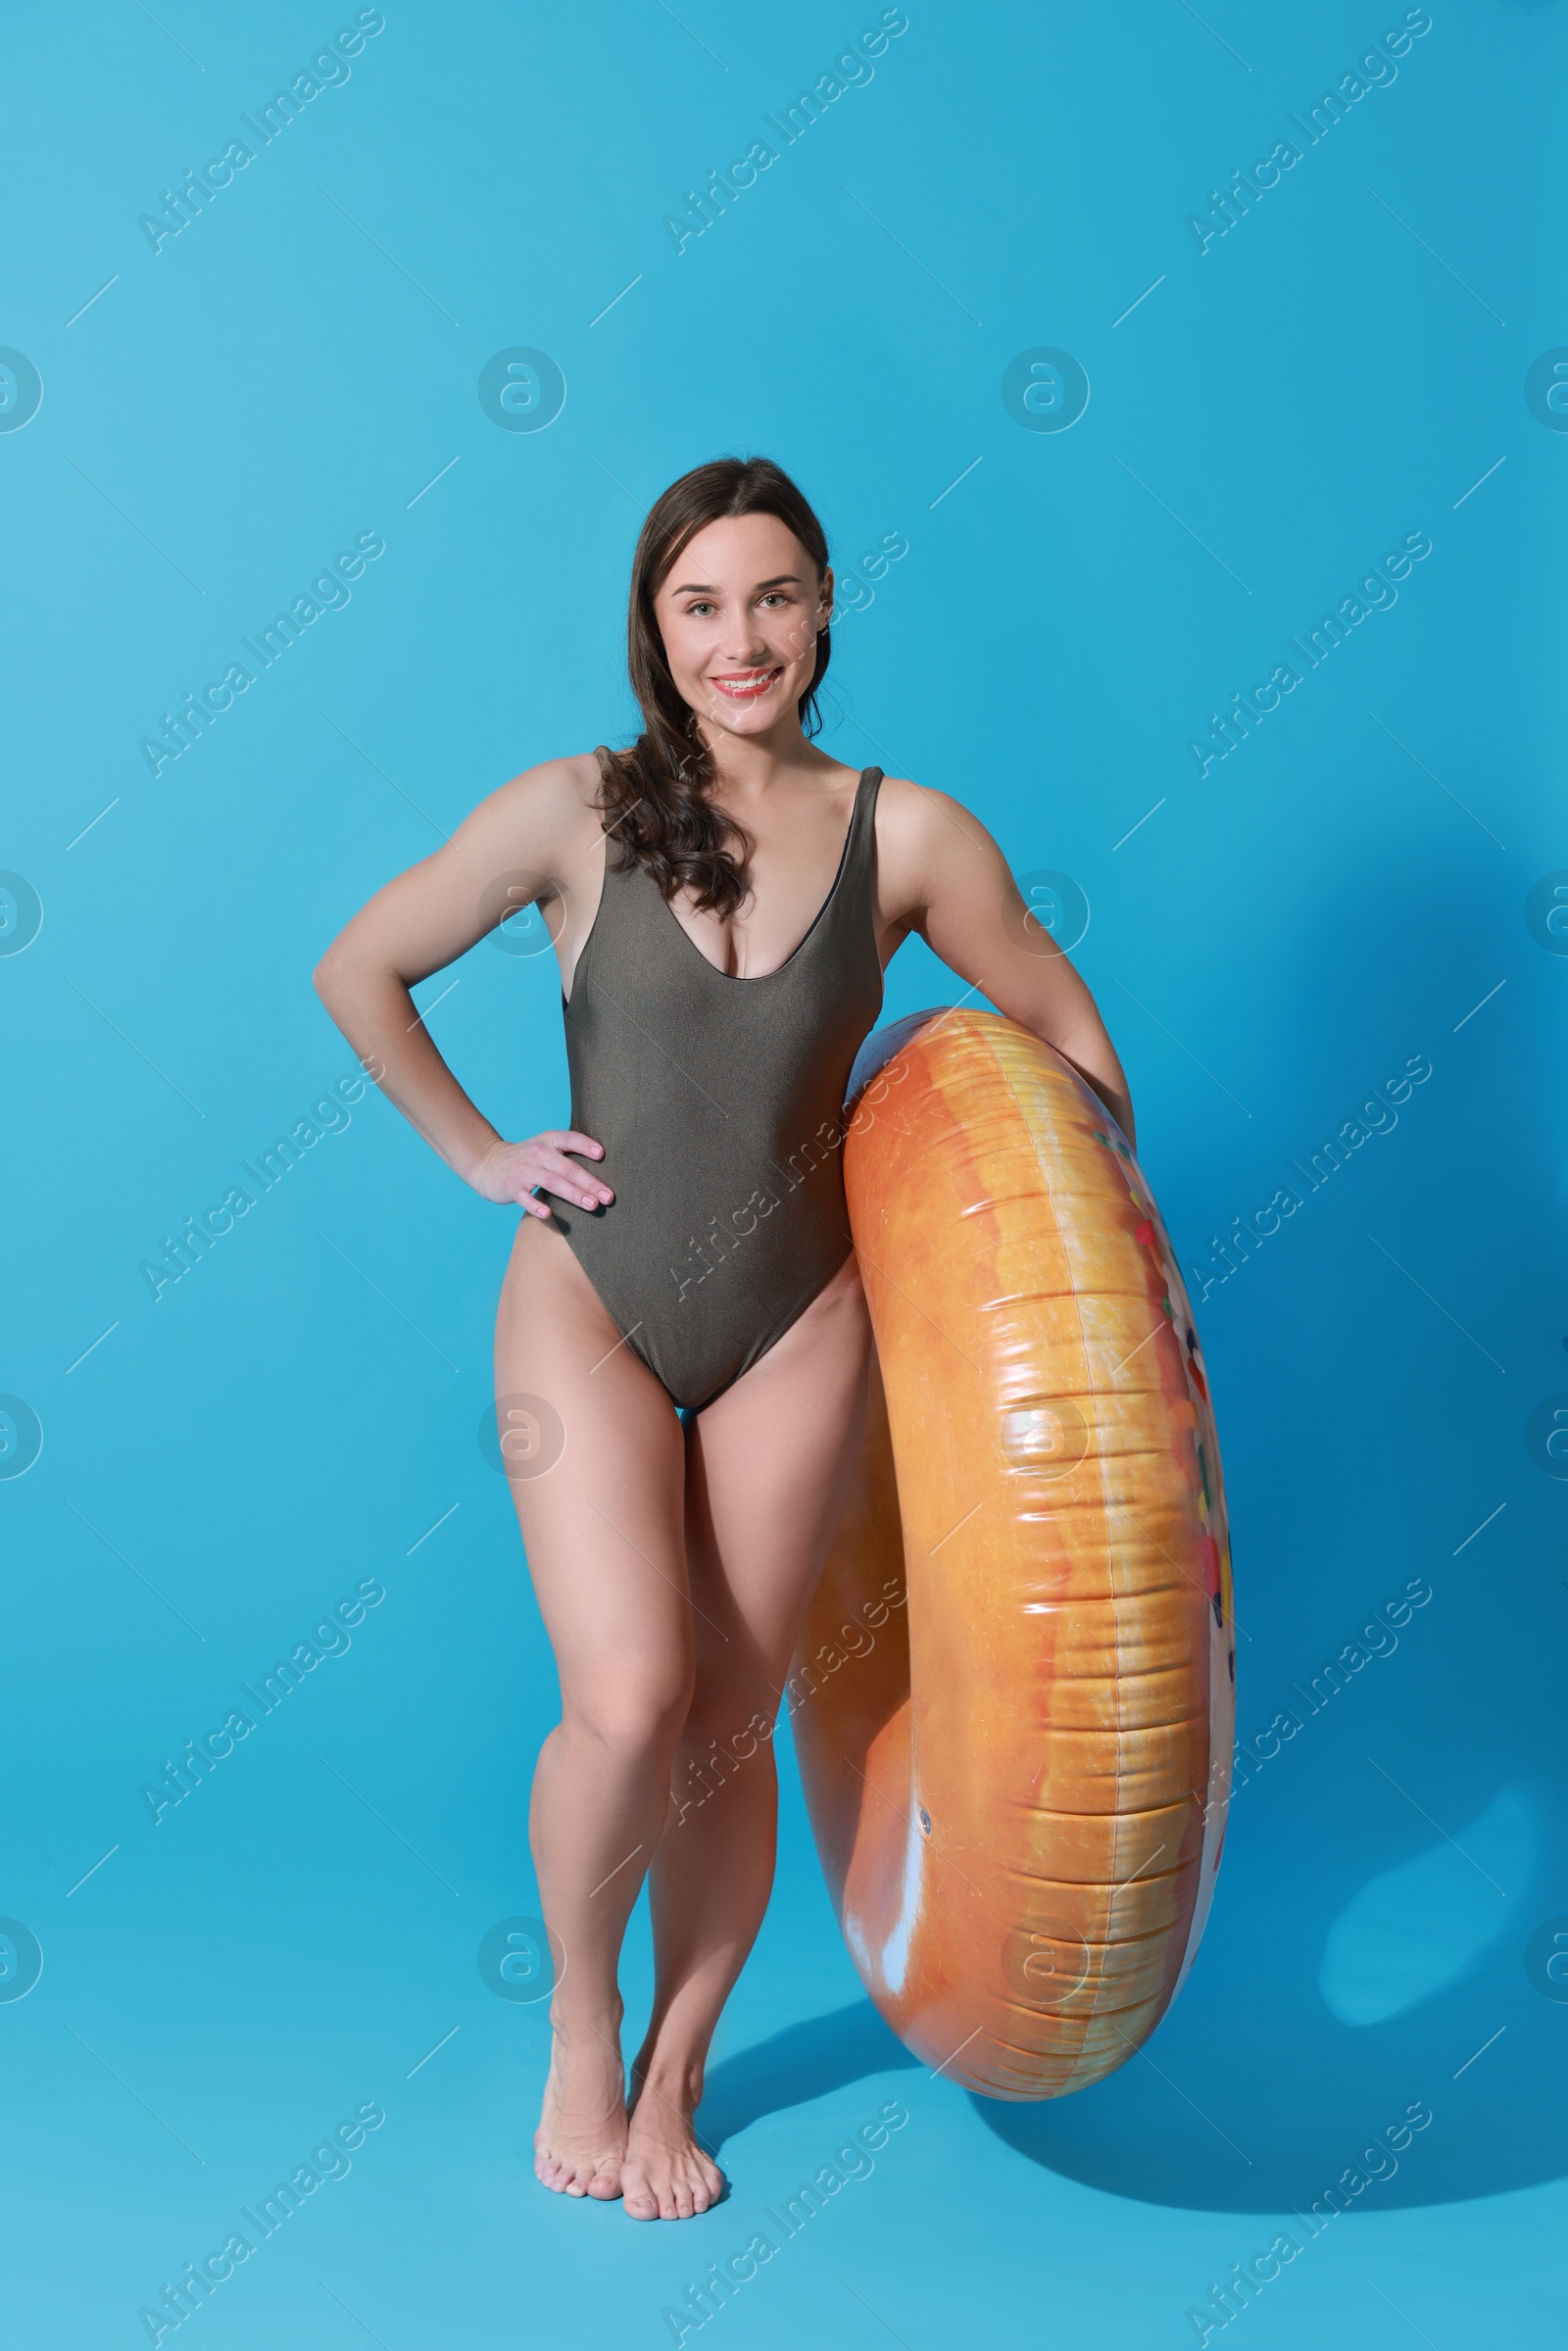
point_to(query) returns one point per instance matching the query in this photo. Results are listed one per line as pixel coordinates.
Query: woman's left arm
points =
(941, 874)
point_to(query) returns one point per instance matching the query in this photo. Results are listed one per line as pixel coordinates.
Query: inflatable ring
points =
(1019, 1781)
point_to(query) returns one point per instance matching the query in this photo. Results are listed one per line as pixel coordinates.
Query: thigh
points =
(596, 1474)
(770, 1466)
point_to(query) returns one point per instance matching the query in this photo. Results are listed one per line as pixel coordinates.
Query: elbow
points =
(326, 978)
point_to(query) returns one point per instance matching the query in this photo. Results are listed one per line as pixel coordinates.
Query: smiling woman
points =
(722, 898)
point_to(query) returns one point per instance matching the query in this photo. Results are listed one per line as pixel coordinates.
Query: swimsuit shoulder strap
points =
(859, 849)
(845, 926)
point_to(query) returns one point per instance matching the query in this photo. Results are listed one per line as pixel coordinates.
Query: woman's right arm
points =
(524, 843)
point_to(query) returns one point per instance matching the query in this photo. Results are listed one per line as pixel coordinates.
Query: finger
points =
(568, 1141)
(561, 1176)
(559, 1188)
(567, 1183)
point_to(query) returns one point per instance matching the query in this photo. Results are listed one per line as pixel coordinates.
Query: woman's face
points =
(739, 615)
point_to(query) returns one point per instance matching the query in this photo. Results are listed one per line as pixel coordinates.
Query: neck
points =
(746, 767)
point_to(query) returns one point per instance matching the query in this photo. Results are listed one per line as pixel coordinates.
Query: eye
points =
(696, 611)
(776, 596)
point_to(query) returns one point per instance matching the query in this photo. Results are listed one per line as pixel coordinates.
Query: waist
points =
(706, 1165)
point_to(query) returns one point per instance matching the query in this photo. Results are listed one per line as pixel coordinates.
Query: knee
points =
(633, 1719)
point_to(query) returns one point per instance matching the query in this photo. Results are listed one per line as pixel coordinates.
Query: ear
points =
(824, 610)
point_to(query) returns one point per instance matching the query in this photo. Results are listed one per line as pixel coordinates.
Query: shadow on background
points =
(804, 2061)
(1254, 2099)
(1255, 2103)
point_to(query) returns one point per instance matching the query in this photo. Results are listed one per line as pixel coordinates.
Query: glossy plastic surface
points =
(1017, 1780)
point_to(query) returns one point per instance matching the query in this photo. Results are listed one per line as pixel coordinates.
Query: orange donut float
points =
(1019, 1781)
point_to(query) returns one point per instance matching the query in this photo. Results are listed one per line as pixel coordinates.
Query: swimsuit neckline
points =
(754, 979)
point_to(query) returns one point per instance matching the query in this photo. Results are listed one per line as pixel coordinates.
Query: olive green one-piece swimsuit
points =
(718, 1102)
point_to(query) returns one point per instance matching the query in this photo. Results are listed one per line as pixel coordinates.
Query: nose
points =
(747, 648)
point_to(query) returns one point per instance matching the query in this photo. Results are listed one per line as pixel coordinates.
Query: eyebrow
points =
(781, 579)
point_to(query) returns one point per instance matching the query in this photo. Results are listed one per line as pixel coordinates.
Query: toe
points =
(637, 2199)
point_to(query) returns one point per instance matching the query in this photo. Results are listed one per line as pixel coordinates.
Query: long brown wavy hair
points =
(657, 797)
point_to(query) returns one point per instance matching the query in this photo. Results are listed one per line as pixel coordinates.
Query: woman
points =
(681, 1323)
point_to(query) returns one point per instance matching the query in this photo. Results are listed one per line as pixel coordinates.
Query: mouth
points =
(746, 685)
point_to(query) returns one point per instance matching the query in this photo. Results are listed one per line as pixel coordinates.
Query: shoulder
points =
(549, 810)
(922, 836)
(544, 822)
(566, 788)
(919, 813)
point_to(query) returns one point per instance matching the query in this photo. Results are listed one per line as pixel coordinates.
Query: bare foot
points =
(665, 2176)
(581, 2139)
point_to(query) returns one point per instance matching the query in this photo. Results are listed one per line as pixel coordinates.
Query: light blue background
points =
(1271, 945)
